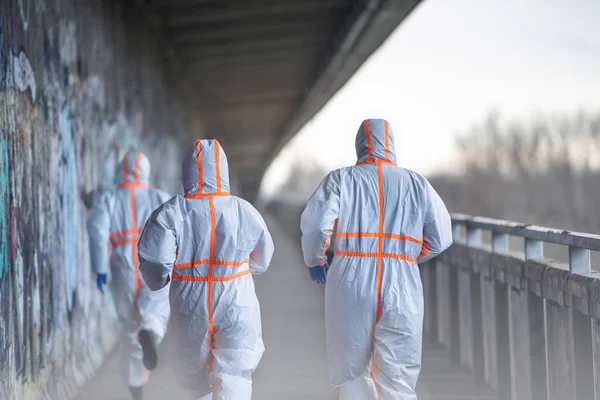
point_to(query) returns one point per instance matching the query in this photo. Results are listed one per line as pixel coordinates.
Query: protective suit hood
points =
(375, 141)
(204, 170)
(135, 169)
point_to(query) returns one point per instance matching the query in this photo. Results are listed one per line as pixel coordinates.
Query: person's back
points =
(117, 218)
(365, 189)
(208, 243)
(387, 219)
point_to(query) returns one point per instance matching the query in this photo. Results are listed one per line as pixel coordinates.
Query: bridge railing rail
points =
(525, 324)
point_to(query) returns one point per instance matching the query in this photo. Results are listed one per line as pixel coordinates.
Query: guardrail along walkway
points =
(525, 325)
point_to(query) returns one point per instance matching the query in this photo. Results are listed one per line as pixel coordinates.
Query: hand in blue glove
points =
(319, 273)
(101, 281)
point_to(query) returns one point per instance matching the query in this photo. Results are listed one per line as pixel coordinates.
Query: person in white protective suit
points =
(207, 244)
(387, 220)
(114, 228)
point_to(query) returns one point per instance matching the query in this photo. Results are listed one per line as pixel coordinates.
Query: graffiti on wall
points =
(69, 194)
(2, 62)
(22, 77)
(62, 133)
(3, 191)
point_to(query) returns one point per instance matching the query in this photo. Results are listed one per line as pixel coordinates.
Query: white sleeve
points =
(437, 226)
(158, 245)
(318, 220)
(261, 256)
(99, 234)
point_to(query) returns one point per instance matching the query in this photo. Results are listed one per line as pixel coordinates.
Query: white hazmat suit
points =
(114, 227)
(387, 219)
(208, 243)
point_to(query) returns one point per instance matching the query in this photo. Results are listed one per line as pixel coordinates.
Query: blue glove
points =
(101, 281)
(319, 273)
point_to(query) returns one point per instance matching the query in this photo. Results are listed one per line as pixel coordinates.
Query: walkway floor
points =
(442, 380)
(294, 365)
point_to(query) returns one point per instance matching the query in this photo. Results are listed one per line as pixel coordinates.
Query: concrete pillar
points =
(443, 286)
(580, 264)
(433, 301)
(475, 277)
(430, 299)
(537, 347)
(454, 320)
(536, 307)
(520, 345)
(561, 366)
(477, 326)
(465, 315)
(489, 338)
(596, 355)
(423, 270)
(503, 342)
(584, 359)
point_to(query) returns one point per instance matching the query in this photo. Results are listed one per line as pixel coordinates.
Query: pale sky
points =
(445, 67)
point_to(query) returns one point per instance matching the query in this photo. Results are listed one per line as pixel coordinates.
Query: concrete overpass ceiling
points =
(260, 69)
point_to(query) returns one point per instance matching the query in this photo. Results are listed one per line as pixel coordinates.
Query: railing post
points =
(559, 334)
(456, 231)
(537, 346)
(428, 277)
(478, 358)
(534, 249)
(454, 321)
(474, 237)
(500, 243)
(580, 263)
(519, 362)
(584, 355)
(536, 308)
(433, 298)
(444, 305)
(502, 311)
(520, 343)
(465, 314)
(560, 352)
(503, 342)
(454, 314)
(490, 348)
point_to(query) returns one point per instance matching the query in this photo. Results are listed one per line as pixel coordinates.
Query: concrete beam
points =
(249, 32)
(242, 10)
(253, 50)
(210, 103)
(269, 59)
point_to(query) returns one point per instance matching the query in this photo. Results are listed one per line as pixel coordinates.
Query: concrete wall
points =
(81, 82)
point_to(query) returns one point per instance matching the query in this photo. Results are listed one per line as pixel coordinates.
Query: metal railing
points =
(525, 324)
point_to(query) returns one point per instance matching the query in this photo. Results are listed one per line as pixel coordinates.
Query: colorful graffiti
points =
(3, 191)
(22, 77)
(69, 194)
(2, 61)
(63, 129)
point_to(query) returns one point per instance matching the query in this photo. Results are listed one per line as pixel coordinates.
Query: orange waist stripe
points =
(213, 278)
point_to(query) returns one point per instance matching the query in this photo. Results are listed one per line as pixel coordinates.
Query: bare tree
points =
(544, 171)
